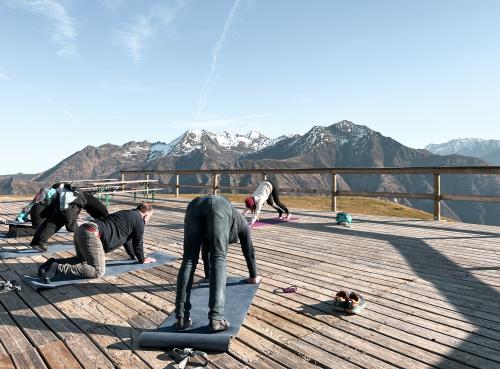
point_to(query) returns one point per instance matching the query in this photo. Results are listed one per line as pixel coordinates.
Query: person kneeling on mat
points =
(213, 222)
(94, 239)
(267, 191)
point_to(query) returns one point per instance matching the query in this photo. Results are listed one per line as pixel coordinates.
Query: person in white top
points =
(267, 191)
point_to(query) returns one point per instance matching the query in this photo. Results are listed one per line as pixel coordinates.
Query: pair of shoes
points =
(183, 323)
(352, 303)
(43, 269)
(218, 325)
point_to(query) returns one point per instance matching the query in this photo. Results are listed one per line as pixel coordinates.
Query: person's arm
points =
(129, 249)
(245, 238)
(256, 213)
(137, 240)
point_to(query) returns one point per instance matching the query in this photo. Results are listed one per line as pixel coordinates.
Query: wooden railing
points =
(437, 196)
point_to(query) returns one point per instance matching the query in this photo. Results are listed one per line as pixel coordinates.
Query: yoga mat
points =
(113, 267)
(272, 221)
(10, 252)
(239, 296)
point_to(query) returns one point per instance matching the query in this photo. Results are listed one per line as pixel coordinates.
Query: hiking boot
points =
(183, 323)
(218, 325)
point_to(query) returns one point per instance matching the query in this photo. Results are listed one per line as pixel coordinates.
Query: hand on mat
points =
(149, 260)
(254, 280)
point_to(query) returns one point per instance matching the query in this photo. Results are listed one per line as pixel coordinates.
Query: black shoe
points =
(183, 323)
(42, 269)
(39, 246)
(218, 325)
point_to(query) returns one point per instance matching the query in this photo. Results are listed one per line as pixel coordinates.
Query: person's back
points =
(119, 227)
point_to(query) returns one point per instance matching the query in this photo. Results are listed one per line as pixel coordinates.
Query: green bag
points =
(343, 218)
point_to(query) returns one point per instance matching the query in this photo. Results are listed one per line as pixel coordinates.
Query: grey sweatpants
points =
(208, 220)
(89, 261)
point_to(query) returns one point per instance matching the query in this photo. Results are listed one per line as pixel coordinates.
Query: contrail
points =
(202, 102)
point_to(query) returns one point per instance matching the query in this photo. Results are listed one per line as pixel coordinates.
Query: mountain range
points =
(343, 144)
(487, 150)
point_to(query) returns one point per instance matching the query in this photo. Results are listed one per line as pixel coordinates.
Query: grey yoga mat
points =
(239, 296)
(11, 252)
(113, 267)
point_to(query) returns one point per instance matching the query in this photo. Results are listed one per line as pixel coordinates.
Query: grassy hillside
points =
(353, 205)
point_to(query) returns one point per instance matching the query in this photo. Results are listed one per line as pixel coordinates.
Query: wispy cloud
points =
(4, 77)
(134, 36)
(202, 101)
(64, 33)
(51, 101)
(112, 5)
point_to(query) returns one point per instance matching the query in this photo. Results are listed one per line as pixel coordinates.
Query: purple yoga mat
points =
(272, 221)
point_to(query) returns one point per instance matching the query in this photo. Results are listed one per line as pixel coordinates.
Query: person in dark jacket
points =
(213, 223)
(64, 211)
(94, 239)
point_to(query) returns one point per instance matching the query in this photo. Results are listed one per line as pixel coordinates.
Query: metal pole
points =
(216, 184)
(437, 196)
(334, 192)
(177, 185)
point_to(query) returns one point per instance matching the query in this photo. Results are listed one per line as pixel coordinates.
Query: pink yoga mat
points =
(272, 221)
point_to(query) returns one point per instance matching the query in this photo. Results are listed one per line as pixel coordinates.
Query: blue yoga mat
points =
(113, 267)
(239, 297)
(10, 253)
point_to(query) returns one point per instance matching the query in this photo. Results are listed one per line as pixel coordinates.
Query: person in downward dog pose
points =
(267, 191)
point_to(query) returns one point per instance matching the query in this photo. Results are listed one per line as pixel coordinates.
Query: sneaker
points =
(183, 323)
(288, 216)
(355, 303)
(218, 325)
(340, 300)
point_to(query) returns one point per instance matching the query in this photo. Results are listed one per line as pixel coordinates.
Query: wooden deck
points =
(433, 293)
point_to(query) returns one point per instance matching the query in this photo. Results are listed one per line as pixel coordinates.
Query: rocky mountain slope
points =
(343, 144)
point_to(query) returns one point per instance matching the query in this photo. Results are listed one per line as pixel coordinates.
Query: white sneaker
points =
(288, 216)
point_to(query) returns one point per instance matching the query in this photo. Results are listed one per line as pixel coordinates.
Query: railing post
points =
(177, 185)
(334, 192)
(122, 177)
(265, 177)
(437, 196)
(147, 187)
(216, 184)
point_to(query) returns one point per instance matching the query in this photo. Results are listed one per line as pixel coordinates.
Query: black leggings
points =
(280, 207)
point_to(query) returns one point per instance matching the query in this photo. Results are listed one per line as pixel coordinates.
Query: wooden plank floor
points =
(432, 291)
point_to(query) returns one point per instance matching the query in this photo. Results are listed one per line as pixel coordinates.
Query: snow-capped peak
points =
(465, 146)
(201, 139)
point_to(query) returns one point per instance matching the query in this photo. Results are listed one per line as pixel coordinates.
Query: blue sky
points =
(76, 73)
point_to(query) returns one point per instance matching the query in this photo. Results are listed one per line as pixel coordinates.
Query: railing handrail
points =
(338, 170)
(436, 172)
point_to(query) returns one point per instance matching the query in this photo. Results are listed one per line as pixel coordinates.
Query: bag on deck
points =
(20, 230)
(343, 218)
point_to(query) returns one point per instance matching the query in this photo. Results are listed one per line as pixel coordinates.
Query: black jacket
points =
(125, 227)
